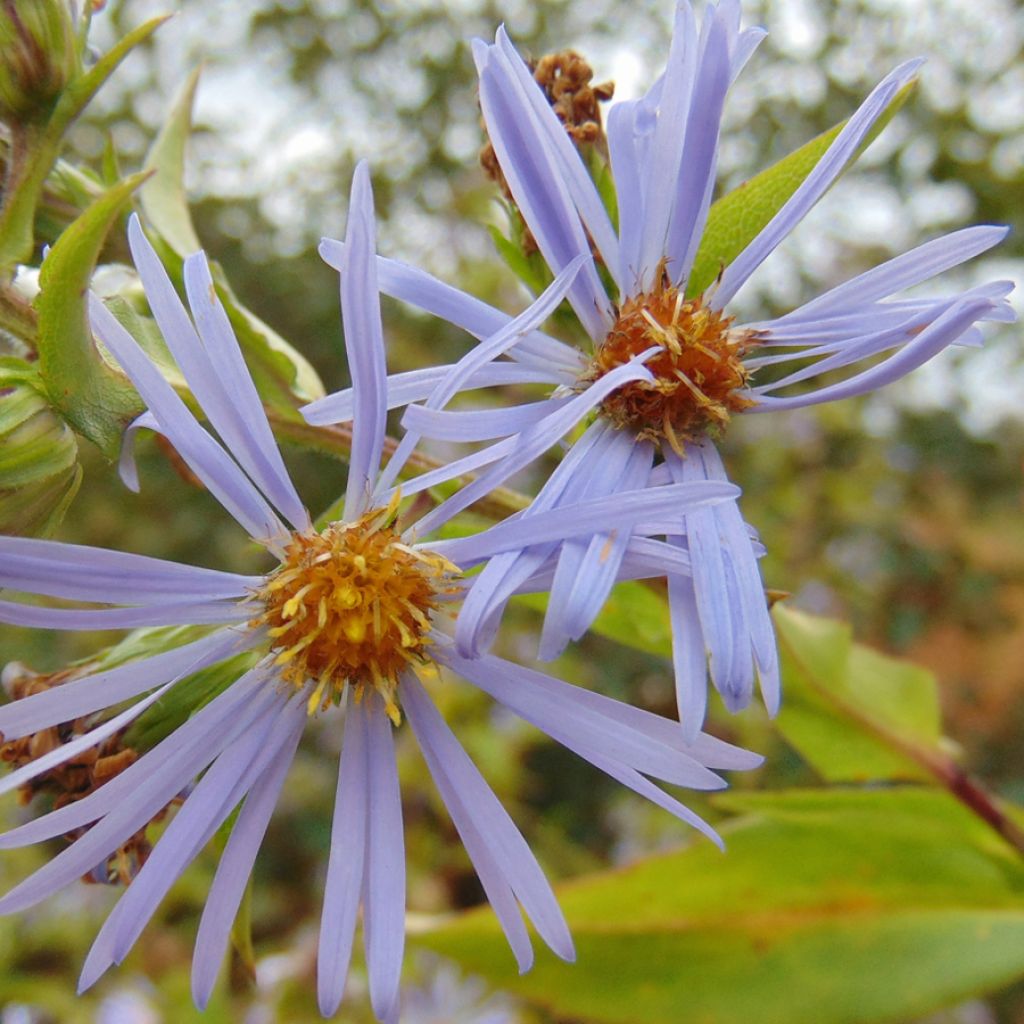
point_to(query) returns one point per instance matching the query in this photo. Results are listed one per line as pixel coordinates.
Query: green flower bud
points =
(38, 55)
(39, 471)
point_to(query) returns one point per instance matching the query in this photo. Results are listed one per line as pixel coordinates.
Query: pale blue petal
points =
(554, 708)
(418, 288)
(535, 179)
(187, 750)
(534, 442)
(126, 467)
(415, 385)
(194, 613)
(192, 827)
(575, 175)
(345, 866)
(364, 345)
(627, 168)
(236, 864)
(81, 573)
(384, 877)
(427, 724)
(71, 749)
(666, 167)
(695, 182)
(905, 271)
(207, 459)
(489, 349)
(617, 511)
(91, 693)
(689, 662)
(937, 336)
(478, 814)
(249, 436)
(814, 186)
(466, 425)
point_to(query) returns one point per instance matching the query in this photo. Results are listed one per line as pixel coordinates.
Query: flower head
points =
(669, 366)
(341, 626)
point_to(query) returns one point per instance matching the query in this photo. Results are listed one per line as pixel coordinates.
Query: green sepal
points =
(96, 399)
(736, 219)
(39, 471)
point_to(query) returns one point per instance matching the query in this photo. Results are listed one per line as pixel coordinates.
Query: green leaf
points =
(853, 713)
(178, 705)
(96, 399)
(517, 261)
(737, 218)
(163, 198)
(830, 907)
(633, 614)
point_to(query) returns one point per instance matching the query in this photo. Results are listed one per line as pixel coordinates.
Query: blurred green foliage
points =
(900, 514)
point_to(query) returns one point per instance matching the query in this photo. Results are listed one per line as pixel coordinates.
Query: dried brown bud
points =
(77, 777)
(565, 79)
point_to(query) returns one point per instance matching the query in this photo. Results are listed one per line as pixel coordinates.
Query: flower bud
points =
(38, 55)
(39, 470)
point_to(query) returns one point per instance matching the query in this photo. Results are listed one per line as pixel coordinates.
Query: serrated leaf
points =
(97, 400)
(163, 199)
(852, 712)
(831, 907)
(737, 218)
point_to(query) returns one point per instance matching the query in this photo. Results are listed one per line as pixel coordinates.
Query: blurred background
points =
(900, 513)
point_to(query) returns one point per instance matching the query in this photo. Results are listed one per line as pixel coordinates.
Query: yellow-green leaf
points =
(829, 907)
(737, 218)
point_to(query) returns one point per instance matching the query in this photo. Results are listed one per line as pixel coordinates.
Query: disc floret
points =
(352, 605)
(699, 376)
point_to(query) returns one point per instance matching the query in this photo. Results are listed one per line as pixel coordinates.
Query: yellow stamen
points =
(352, 606)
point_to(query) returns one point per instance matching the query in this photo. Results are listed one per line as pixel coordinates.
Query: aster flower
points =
(704, 366)
(340, 626)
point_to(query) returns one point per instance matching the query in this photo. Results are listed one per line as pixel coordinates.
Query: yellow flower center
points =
(352, 606)
(698, 374)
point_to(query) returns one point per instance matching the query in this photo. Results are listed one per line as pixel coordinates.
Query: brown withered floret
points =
(565, 78)
(77, 777)
(699, 375)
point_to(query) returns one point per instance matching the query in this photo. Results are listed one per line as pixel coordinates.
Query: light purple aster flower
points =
(340, 625)
(660, 430)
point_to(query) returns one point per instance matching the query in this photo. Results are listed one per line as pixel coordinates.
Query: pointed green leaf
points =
(737, 218)
(83, 88)
(851, 712)
(163, 198)
(831, 907)
(94, 397)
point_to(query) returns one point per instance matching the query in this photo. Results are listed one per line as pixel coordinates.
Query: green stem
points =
(941, 766)
(34, 151)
